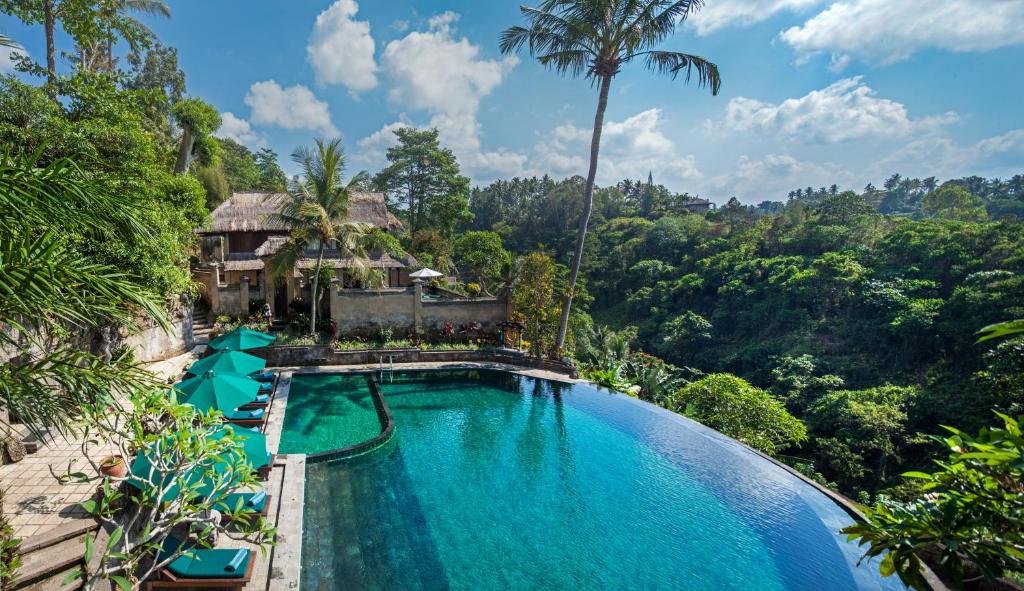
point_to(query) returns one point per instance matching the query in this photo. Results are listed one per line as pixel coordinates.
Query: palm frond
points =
(676, 63)
(44, 285)
(6, 41)
(46, 390)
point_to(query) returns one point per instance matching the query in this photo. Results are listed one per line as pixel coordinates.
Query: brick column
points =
(243, 295)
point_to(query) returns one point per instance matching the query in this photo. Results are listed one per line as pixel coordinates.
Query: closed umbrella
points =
(225, 362)
(224, 392)
(241, 339)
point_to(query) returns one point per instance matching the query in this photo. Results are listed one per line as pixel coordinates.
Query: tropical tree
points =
(197, 120)
(733, 406)
(316, 210)
(423, 178)
(50, 290)
(594, 39)
(118, 13)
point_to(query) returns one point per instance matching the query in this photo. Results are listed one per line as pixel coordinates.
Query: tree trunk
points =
(588, 206)
(51, 52)
(313, 290)
(184, 151)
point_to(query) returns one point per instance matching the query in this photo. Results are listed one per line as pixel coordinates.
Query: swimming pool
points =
(499, 481)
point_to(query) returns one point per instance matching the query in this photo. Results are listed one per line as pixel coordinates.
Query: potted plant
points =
(473, 289)
(113, 466)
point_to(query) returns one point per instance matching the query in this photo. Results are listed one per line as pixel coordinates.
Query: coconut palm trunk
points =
(314, 294)
(49, 20)
(588, 207)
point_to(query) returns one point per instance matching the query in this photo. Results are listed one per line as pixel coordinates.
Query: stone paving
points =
(36, 501)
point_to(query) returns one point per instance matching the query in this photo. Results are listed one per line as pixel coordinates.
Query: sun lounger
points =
(254, 504)
(256, 417)
(217, 567)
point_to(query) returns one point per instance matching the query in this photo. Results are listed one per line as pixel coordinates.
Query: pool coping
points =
(387, 423)
(845, 503)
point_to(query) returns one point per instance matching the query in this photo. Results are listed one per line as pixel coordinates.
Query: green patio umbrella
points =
(241, 339)
(224, 362)
(222, 391)
(254, 444)
(146, 474)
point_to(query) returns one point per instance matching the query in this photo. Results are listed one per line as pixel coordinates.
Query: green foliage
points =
(192, 471)
(859, 434)
(731, 405)
(953, 202)
(107, 130)
(195, 114)
(968, 513)
(482, 255)
(533, 299)
(423, 183)
(50, 289)
(272, 177)
(10, 561)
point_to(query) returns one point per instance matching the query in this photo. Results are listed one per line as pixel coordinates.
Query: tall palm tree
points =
(594, 39)
(316, 211)
(122, 9)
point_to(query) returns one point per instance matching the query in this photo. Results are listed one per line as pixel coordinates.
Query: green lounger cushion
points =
(244, 415)
(251, 501)
(216, 563)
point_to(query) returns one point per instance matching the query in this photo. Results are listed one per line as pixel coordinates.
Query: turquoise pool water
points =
(498, 481)
(326, 412)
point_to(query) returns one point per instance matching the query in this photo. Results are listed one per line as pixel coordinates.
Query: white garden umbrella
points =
(425, 273)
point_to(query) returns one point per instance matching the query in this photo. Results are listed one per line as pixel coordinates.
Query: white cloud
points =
(886, 31)
(295, 107)
(240, 130)
(436, 72)
(846, 110)
(773, 177)
(6, 55)
(1007, 143)
(945, 158)
(341, 49)
(724, 13)
(374, 147)
(629, 149)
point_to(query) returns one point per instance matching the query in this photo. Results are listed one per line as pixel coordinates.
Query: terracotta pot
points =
(113, 466)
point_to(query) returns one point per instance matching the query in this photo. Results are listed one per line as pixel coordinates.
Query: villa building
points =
(244, 235)
(698, 205)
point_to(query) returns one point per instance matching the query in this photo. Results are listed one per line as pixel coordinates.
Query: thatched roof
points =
(252, 212)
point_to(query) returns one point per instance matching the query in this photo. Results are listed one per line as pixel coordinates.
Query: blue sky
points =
(814, 92)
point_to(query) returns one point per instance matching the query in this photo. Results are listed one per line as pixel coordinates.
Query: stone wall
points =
(155, 344)
(294, 356)
(362, 311)
(487, 311)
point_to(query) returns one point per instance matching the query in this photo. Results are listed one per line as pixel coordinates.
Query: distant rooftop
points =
(253, 212)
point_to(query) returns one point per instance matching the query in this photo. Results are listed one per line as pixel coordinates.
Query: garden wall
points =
(154, 344)
(363, 311)
(292, 356)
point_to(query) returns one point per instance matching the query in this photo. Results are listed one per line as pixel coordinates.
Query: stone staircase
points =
(201, 328)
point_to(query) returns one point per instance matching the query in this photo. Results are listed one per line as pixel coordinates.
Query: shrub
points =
(731, 405)
(969, 512)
